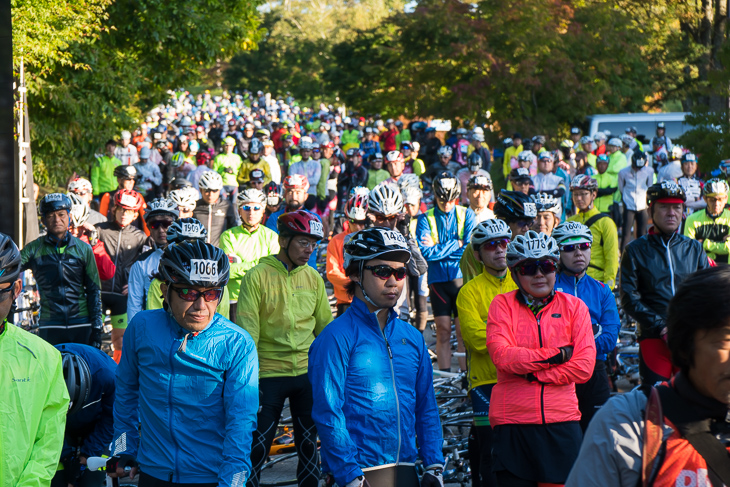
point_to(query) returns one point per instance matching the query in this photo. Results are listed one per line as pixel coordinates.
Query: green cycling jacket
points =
(249, 247)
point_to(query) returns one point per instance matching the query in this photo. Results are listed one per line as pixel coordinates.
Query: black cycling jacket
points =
(124, 246)
(651, 270)
(216, 218)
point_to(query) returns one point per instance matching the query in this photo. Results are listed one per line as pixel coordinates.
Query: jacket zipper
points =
(173, 351)
(116, 256)
(542, 386)
(395, 389)
(210, 222)
(669, 258)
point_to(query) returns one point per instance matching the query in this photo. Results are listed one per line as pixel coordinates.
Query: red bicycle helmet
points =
(296, 181)
(393, 156)
(128, 199)
(202, 158)
(300, 222)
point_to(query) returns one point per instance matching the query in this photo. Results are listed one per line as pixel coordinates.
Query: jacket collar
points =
(363, 313)
(59, 242)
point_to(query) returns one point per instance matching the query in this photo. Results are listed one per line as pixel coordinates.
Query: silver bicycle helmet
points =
(531, 246)
(184, 198)
(489, 230)
(547, 202)
(161, 207)
(210, 180)
(250, 195)
(357, 204)
(572, 233)
(79, 211)
(385, 199)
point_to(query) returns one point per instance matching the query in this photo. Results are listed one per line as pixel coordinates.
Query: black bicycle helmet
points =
(125, 172)
(376, 243)
(446, 187)
(514, 205)
(9, 260)
(474, 161)
(180, 183)
(666, 191)
(186, 229)
(194, 263)
(77, 375)
(54, 202)
(255, 146)
(638, 159)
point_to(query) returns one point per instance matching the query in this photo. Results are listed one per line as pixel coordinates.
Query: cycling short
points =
(117, 305)
(443, 297)
(480, 397)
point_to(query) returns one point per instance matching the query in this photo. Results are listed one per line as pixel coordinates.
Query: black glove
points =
(562, 356)
(531, 377)
(432, 478)
(120, 461)
(95, 338)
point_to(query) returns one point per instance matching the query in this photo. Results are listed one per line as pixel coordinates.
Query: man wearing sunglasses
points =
(489, 241)
(574, 240)
(541, 344)
(442, 234)
(372, 377)
(283, 304)
(160, 214)
(248, 242)
(189, 376)
(35, 399)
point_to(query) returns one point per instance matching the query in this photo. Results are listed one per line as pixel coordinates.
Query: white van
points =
(645, 124)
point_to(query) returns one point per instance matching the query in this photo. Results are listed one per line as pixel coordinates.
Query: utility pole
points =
(9, 199)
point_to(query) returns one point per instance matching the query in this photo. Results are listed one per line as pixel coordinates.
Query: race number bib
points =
(190, 229)
(203, 270)
(128, 200)
(315, 228)
(391, 237)
(530, 209)
(54, 197)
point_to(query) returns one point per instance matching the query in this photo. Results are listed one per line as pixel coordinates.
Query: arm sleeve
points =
(473, 327)
(328, 360)
(156, 175)
(322, 312)
(154, 296)
(104, 263)
(135, 294)
(98, 441)
(249, 302)
(322, 183)
(610, 250)
(580, 366)
(610, 323)
(606, 191)
(621, 181)
(428, 424)
(94, 176)
(241, 403)
(506, 356)
(25, 256)
(48, 441)
(93, 288)
(335, 271)
(126, 415)
(438, 251)
(631, 296)
(230, 217)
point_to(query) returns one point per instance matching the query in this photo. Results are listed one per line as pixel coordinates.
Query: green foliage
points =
(98, 84)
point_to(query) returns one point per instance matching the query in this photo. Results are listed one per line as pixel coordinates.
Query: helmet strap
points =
(364, 294)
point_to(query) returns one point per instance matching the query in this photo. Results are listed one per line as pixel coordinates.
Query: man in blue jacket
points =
(442, 234)
(574, 240)
(89, 375)
(372, 379)
(190, 377)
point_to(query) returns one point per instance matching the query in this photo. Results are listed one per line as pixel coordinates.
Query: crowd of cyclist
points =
(200, 235)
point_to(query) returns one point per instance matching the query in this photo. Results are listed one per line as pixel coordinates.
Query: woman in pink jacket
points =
(541, 343)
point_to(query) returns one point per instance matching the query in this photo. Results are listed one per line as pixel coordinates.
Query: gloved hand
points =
(358, 482)
(562, 356)
(433, 478)
(531, 377)
(117, 464)
(95, 338)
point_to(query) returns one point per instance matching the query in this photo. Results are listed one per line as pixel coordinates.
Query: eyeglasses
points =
(191, 295)
(530, 268)
(316, 151)
(493, 244)
(211, 190)
(159, 223)
(385, 271)
(524, 223)
(306, 244)
(252, 207)
(574, 247)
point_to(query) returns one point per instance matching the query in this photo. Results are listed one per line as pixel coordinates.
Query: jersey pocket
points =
(303, 303)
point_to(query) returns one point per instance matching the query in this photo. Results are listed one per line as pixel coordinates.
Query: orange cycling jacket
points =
(520, 344)
(335, 270)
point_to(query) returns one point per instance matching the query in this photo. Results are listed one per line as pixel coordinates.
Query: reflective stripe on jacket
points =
(520, 343)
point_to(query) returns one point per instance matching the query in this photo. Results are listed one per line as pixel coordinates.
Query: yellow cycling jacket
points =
(470, 266)
(282, 311)
(33, 405)
(249, 247)
(604, 251)
(473, 304)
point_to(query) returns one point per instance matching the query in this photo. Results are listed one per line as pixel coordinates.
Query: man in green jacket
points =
(34, 401)
(102, 172)
(248, 242)
(228, 164)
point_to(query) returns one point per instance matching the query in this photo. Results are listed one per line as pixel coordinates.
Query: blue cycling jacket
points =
(373, 395)
(443, 258)
(95, 422)
(197, 403)
(601, 305)
(271, 223)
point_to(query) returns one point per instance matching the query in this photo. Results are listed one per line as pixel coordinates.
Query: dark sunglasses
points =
(574, 247)
(531, 268)
(523, 223)
(191, 295)
(159, 223)
(315, 150)
(493, 244)
(252, 207)
(385, 271)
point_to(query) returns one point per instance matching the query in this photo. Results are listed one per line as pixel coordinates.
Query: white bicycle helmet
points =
(251, 195)
(409, 180)
(184, 198)
(161, 206)
(385, 199)
(445, 150)
(79, 211)
(547, 202)
(531, 246)
(615, 142)
(79, 185)
(489, 230)
(572, 233)
(357, 203)
(525, 156)
(411, 195)
(210, 180)
(586, 139)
